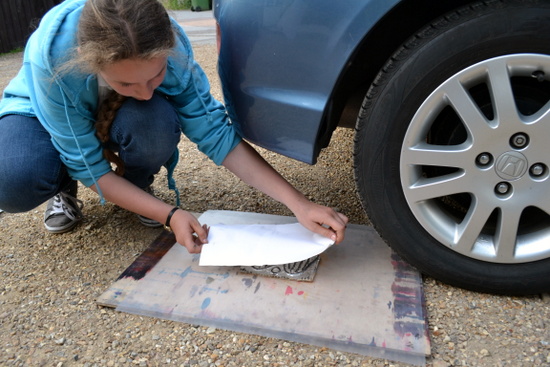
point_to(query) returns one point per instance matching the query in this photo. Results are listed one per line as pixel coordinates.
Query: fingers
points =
(189, 232)
(333, 226)
(343, 223)
(322, 220)
(201, 232)
(193, 241)
(343, 218)
(338, 229)
(326, 231)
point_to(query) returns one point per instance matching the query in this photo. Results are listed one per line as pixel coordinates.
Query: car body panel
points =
(274, 105)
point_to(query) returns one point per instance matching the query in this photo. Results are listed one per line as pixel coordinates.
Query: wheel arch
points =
(370, 56)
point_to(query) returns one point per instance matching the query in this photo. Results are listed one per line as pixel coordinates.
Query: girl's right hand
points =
(189, 232)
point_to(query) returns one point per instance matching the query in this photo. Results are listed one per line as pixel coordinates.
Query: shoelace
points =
(68, 205)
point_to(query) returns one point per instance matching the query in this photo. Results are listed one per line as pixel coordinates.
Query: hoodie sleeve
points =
(204, 119)
(72, 131)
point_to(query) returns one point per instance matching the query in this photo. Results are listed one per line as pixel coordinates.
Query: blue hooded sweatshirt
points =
(65, 103)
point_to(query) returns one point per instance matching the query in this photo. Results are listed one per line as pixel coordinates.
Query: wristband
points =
(167, 224)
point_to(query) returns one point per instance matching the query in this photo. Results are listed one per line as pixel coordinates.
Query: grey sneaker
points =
(63, 212)
(147, 221)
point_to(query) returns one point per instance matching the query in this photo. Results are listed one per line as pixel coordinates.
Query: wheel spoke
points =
(432, 155)
(543, 203)
(468, 231)
(506, 234)
(503, 95)
(541, 119)
(472, 118)
(430, 188)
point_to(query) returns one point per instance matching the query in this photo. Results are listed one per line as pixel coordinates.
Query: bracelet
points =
(167, 224)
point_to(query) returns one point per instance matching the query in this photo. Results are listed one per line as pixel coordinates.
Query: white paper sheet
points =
(260, 244)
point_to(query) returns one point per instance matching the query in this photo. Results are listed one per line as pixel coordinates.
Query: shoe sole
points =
(63, 229)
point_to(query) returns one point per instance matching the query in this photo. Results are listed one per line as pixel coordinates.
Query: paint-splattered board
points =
(364, 298)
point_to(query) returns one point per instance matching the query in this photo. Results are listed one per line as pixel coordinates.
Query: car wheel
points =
(452, 150)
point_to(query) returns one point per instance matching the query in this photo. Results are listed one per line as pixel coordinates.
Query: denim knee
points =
(145, 134)
(22, 190)
(31, 171)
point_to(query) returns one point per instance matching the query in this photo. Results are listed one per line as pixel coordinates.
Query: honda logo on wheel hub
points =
(511, 166)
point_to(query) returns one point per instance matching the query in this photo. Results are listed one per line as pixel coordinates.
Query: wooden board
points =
(364, 298)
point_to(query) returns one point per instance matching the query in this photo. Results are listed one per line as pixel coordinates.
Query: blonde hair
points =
(113, 30)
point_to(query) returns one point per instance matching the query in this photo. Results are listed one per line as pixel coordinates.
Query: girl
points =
(104, 76)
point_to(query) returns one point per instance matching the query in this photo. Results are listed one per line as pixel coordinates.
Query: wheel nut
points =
(503, 188)
(484, 159)
(539, 75)
(537, 169)
(519, 140)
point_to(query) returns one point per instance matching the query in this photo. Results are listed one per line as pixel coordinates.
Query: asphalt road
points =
(200, 27)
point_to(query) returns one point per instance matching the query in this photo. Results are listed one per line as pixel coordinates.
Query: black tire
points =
(407, 109)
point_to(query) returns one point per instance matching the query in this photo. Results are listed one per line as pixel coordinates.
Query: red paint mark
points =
(290, 291)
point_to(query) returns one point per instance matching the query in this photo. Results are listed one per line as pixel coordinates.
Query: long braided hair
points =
(106, 114)
(113, 30)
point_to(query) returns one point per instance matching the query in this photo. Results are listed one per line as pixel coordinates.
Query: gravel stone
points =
(49, 317)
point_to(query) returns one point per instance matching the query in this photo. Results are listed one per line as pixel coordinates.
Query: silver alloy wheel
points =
(485, 195)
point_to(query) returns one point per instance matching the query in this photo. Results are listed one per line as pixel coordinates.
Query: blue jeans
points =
(145, 133)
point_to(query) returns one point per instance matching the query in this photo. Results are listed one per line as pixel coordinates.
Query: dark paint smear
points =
(404, 290)
(408, 301)
(407, 307)
(150, 257)
(402, 269)
(409, 328)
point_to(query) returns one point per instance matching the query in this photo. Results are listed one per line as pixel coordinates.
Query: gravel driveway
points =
(48, 314)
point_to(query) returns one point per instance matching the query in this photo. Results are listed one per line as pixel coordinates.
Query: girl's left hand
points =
(322, 220)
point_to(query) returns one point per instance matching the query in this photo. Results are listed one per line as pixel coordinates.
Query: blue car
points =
(450, 101)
